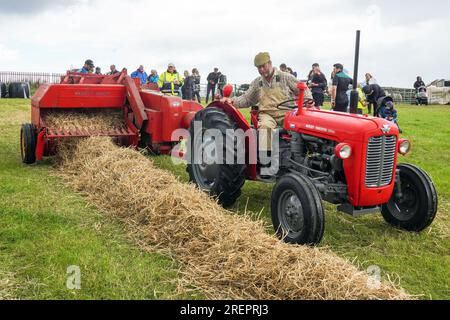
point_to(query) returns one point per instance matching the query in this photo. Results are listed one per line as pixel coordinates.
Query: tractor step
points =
(266, 179)
(358, 211)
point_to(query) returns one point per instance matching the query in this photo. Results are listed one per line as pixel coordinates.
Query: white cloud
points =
(7, 55)
(206, 34)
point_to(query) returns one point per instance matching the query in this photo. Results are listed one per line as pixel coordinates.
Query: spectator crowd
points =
(188, 86)
(170, 82)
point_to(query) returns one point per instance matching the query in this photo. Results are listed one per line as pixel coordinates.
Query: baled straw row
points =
(224, 255)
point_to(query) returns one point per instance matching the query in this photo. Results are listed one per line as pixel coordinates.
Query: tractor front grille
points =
(380, 161)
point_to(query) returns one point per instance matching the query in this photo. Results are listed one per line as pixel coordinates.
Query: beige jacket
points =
(268, 95)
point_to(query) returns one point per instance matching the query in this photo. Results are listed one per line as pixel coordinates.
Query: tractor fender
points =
(233, 112)
(187, 119)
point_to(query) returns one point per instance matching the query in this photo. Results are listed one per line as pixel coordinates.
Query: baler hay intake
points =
(96, 105)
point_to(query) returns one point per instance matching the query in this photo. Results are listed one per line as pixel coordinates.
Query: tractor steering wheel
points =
(287, 105)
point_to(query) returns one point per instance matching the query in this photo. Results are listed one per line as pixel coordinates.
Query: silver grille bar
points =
(380, 161)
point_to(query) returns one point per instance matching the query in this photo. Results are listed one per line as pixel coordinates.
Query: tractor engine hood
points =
(336, 125)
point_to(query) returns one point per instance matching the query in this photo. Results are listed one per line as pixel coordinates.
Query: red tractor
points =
(149, 118)
(345, 159)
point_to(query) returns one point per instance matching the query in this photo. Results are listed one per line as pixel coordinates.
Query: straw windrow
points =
(224, 255)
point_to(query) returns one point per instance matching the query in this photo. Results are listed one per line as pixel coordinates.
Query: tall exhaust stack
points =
(354, 96)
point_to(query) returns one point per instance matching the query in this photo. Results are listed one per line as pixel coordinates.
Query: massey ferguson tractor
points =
(345, 159)
(148, 118)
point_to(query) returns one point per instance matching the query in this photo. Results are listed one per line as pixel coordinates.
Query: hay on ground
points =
(7, 285)
(224, 255)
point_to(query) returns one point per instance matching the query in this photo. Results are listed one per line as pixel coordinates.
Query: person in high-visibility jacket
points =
(361, 100)
(170, 81)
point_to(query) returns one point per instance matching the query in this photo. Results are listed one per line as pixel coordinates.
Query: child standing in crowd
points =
(388, 112)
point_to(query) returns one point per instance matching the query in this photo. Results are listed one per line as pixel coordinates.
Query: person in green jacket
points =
(170, 81)
(361, 100)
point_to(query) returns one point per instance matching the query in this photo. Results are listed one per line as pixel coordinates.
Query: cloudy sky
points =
(400, 39)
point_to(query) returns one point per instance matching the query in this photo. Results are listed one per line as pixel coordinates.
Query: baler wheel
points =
(28, 139)
(217, 177)
(297, 212)
(417, 207)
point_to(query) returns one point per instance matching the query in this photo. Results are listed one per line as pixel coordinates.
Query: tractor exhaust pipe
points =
(354, 95)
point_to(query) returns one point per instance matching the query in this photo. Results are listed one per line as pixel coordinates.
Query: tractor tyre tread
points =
(429, 203)
(28, 139)
(312, 202)
(231, 178)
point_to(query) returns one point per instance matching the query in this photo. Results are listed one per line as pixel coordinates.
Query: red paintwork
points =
(354, 130)
(166, 114)
(254, 115)
(227, 91)
(301, 97)
(40, 145)
(151, 111)
(136, 104)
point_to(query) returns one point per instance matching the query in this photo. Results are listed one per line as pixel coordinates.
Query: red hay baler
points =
(149, 117)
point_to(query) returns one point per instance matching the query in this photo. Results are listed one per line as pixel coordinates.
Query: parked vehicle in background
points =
(439, 92)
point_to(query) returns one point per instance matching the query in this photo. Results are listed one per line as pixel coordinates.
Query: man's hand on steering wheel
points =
(226, 100)
(309, 103)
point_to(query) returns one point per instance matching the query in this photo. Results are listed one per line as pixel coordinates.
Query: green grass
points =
(45, 227)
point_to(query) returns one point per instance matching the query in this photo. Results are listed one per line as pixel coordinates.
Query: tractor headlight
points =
(343, 151)
(404, 147)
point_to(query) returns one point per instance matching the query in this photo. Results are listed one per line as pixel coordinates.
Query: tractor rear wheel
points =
(417, 207)
(28, 139)
(297, 213)
(208, 167)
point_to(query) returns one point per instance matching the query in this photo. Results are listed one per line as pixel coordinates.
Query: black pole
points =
(354, 96)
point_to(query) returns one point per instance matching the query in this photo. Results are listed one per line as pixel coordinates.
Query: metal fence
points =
(400, 95)
(30, 77)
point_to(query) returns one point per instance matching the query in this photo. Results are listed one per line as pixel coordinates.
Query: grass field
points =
(45, 227)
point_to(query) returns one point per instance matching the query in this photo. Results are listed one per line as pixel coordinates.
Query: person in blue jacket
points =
(153, 77)
(140, 74)
(388, 112)
(88, 67)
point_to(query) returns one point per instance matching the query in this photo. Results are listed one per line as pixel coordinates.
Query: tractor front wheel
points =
(415, 208)
(28, 143)
(297, 212)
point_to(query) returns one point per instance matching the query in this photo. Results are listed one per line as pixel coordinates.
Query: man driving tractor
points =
(268, 91)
